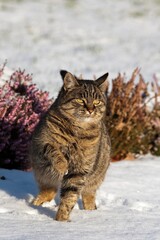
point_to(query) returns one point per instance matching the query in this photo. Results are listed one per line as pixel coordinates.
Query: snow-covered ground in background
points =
(88, 37)
(128, 207)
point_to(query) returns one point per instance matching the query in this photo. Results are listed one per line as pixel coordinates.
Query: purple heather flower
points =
(21, 106)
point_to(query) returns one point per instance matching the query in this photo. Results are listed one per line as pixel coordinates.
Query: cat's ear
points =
(69, 81)
(63, 74)
(102, 82)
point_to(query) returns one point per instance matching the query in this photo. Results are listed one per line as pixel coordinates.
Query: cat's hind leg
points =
(88, 200)
(45, 195)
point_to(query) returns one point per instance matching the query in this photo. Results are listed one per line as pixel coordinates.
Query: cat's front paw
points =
(61, 216)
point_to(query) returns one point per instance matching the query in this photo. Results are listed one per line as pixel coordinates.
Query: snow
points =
(88, 37)
(128, 206)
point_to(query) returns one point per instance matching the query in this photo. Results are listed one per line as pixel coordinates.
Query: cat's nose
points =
(90, 110)
(90, 107)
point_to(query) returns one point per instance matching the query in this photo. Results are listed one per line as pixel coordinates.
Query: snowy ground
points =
(128, 207)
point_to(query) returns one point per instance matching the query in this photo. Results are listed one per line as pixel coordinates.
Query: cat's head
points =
(83, 100)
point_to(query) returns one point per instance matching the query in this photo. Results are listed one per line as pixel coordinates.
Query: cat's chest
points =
(84, 147)
(82, 156)
(81, 151)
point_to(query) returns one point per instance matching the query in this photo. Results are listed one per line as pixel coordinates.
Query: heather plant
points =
(133, 117)
(21, 106)
(155, 118)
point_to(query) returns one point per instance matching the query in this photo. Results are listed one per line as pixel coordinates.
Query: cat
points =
(70, 147)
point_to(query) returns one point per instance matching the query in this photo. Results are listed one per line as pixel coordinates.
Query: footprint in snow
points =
(4, 210)
(142, 206)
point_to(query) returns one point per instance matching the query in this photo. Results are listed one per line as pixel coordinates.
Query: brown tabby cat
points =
(70, 147)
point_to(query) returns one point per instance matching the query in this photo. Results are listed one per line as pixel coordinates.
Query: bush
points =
(133, 117)
(21, 106)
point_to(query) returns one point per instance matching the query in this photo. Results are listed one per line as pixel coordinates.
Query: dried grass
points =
(133, 116)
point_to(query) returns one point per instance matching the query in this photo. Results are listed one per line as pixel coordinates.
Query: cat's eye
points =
(96, 102)
(78, 100)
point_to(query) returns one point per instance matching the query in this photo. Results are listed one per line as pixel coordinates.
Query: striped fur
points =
(70, 147)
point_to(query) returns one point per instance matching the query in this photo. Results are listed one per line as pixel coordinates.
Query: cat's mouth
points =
(89, 116)
(90, 113)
